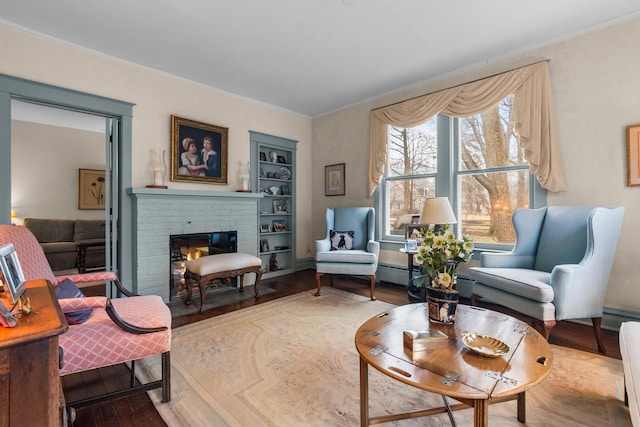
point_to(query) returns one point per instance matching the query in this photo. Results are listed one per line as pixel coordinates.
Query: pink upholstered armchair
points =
(118, 330)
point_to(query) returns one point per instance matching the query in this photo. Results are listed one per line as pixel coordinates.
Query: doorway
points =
(54, 149)
(116, 116)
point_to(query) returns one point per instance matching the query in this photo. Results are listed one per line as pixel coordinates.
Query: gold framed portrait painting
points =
(198, 151)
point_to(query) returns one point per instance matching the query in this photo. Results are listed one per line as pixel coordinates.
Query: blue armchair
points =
(559, 268)
(354, 252)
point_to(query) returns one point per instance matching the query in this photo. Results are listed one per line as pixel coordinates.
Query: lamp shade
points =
(437, 210)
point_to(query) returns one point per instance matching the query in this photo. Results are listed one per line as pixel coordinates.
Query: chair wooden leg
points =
(166, 377)
(256, 286)
(132, 376)
(546, 331)
(318, 275)
(596, 321)
(544, 327)
(474, 299)
(372, 279)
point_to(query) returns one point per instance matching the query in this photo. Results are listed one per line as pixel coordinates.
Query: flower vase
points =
(442, 304)
(158, 168)
(244, 176)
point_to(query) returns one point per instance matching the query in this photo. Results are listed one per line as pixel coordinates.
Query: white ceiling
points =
(312, 56)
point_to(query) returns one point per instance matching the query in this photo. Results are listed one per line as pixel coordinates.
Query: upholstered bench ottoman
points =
(221, 266)
(630, 352)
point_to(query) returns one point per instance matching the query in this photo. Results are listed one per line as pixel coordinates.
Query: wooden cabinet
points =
(30, 391)
(273, 172)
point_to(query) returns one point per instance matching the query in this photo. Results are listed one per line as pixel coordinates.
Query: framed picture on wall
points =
(198, 151)
(633, 155)
(91, 189)
(334, 178)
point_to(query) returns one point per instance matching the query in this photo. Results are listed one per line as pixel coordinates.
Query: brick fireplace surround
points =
(159, 213)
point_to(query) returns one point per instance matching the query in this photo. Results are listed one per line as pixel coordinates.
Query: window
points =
(475, 161)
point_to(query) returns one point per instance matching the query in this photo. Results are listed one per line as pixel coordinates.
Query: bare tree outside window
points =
(491, 175)
(490, 195)
(412, 166)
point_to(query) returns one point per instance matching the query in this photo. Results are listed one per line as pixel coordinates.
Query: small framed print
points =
(91, 189)
(264, 245)
(263, 156)
(12, 274)
(265, 228)
(281, 159)
(279, 225)
(285, 190)
(280, 206)
(334, 180)
(633, 155)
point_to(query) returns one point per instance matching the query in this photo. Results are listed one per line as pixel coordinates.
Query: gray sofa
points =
(60, 240)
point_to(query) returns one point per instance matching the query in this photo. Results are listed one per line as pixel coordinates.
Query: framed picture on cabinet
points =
(198, 151)
(12, 275)
(633, 155)
(263, 156)
(265, 228)
(285, 190)
(334, 180)
(264, 245)
(281, 159)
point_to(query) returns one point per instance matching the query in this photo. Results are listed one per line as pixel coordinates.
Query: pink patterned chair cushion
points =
(98, 342)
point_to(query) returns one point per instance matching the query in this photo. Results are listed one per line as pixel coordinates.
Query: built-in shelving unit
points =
(273, 167)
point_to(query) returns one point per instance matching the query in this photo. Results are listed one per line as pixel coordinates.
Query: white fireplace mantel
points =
(159, 213)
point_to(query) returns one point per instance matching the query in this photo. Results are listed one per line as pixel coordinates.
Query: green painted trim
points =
(68, 99)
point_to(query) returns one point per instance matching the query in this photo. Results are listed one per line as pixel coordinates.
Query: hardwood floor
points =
(138, 410)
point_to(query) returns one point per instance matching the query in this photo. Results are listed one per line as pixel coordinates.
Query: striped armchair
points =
(118, 330)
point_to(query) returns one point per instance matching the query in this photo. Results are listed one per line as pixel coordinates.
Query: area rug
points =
(293, 362)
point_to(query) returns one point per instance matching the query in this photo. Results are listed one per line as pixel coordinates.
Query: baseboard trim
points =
(305, 264)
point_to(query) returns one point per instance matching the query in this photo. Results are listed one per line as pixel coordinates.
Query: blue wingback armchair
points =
(559, 268)
(358, 256)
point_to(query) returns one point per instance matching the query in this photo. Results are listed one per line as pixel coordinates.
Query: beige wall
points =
(45, 177)
(596, 86)
(156, 97)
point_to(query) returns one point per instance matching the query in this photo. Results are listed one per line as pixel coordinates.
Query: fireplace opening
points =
(184, 247)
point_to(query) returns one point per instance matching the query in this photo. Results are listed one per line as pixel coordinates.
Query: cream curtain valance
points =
(532, 113)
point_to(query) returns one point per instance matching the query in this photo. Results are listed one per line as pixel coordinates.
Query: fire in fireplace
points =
(184, 247)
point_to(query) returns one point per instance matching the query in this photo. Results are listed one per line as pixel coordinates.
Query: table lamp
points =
(437, 211)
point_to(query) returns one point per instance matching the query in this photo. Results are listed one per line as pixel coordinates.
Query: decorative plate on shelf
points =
(484, 345)
(284, 173)
(262, 173)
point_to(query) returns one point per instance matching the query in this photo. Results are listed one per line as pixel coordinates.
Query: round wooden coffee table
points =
(447, 366)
